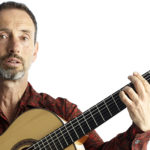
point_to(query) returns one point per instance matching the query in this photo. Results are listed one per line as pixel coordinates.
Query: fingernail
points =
(135, 73)
(129, 77)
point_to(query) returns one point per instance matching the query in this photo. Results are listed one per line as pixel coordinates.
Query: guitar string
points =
(75, 126)
(84, 119)
(81, 122)
(50, 143)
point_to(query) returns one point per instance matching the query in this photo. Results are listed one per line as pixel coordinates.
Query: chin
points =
(11, 74)
(18, 76)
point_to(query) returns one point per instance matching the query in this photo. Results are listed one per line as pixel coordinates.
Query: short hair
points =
(21, 6)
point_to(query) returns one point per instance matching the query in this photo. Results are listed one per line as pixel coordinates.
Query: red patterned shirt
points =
(132, 139)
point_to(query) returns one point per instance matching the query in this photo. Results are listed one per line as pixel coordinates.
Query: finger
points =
(127, 102)
(139, 87)
(143, 80)
(125, 99)
(131, 93)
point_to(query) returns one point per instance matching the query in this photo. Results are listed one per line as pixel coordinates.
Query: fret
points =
(44, 143)
(80, 125)
(69, 134)
(52, 142)
(119, 102)
(100, 113)
(111, 105)
(63, 136)
(48, 143)
(115, 102)
(104, 111)
(64, 139)
(74, 130)
(38, 145)
(85, 122)
(107, 107)
(97, 116)
(71, 128)
(93, 117)
(147, 76)
(59, 143)
(89, 117)
(33, 146)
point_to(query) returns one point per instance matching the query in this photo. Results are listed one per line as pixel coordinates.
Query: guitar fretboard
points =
(83, 124)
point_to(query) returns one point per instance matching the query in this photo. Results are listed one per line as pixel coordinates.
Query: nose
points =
(13, 45)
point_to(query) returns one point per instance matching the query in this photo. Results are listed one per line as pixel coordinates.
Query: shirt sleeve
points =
(141, 140)
(132, 139)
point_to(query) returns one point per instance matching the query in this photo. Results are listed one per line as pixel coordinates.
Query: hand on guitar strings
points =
(138, 101)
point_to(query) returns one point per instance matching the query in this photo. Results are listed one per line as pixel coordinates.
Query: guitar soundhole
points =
(24, 144)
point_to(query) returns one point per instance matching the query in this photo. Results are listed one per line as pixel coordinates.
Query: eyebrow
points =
(4, 29)
(26, 31)
(23, 30)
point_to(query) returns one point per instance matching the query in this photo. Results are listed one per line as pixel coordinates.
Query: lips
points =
(13, 60)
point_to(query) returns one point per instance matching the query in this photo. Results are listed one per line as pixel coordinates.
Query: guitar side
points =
(30, 127)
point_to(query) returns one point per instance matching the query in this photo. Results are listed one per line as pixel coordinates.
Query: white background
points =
(87, 48)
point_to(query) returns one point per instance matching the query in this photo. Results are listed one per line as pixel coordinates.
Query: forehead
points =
(15, 19)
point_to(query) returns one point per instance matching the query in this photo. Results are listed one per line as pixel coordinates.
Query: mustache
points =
(11, 56)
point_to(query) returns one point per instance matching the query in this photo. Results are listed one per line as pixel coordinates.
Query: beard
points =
(9, 72)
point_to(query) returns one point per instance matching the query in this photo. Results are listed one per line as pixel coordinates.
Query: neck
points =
(11, 91)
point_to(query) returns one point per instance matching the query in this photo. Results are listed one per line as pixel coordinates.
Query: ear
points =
(36, 48)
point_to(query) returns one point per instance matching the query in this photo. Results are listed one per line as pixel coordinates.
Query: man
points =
(18, 50)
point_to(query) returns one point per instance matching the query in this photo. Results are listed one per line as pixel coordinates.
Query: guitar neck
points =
(89, 120)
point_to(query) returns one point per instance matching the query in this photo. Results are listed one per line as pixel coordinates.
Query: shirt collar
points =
(30, 97)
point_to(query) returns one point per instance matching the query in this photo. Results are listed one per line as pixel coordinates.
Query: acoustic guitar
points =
(39, 129)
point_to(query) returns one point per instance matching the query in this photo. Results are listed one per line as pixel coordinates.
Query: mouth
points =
(12, 61)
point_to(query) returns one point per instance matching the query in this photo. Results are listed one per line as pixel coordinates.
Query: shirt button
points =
(137, 141)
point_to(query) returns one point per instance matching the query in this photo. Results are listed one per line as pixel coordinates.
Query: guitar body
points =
(30, 127)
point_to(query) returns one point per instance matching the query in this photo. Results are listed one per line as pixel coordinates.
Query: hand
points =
(138, 102)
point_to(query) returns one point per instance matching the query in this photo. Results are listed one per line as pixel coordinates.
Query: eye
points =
(25, 38)
(2, 36)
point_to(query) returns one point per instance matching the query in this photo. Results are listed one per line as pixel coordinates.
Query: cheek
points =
(28, 57)
(3, 48)
(27, 62)
(27, 50)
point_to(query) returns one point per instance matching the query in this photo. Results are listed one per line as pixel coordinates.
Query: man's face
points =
(17, 48)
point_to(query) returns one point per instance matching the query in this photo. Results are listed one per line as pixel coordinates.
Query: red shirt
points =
(132, 139)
